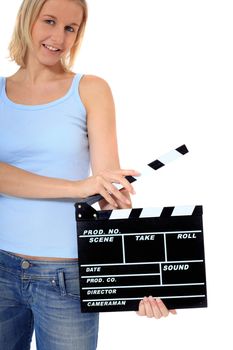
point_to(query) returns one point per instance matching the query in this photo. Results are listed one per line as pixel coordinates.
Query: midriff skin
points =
(29, 257)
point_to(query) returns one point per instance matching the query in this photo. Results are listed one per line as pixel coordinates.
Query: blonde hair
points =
(21, 39)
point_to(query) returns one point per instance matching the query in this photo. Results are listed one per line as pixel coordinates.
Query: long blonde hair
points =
(21, 38)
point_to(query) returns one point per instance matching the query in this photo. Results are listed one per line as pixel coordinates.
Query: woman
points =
(53, 123)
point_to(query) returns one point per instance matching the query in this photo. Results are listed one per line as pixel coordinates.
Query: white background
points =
(169, 64)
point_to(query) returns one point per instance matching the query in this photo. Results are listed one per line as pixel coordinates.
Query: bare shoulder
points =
(94, 90)
(94, 83)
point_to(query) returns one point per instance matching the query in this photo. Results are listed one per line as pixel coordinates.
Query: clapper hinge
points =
(84, 211)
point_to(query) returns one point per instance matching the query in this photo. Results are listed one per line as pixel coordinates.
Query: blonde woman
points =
(53, 124)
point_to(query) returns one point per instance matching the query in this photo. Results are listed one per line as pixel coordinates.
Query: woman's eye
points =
(49, 21)
(69, 29)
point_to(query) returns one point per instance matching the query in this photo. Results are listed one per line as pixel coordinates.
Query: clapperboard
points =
(127, 254)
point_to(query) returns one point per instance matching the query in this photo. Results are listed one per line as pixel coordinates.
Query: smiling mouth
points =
(50, 48)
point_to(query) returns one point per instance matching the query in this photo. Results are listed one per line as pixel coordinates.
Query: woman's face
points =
(55, 30)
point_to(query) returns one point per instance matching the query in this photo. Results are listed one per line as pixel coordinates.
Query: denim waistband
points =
(43, 268)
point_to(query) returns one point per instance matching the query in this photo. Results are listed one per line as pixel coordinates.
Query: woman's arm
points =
(97, 98)
(20, 183)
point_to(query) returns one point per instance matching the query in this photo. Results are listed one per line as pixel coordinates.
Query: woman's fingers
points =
(151, 307)
(106, 195)
(141, 309)
(105, 186)
(105, 205)
(128, 172)
(112, 195)
(103, 183)
(173, 312)
(119, 177)
(148, 308)
(162, 308)
(116, 193)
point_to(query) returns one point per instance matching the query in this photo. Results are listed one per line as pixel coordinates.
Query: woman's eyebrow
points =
(72, 24)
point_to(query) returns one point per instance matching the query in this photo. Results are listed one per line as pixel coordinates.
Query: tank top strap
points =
(1, 84)
(75, 92)
(1, 87)
(76, 82)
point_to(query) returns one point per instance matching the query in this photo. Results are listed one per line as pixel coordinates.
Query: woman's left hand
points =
(153, 307)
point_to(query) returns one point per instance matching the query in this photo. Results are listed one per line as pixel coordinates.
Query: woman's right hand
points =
(103, 183)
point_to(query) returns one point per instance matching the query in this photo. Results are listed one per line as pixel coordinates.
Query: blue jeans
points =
(43, 295)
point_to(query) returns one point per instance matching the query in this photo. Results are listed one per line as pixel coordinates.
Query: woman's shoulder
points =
(94, 82)
(94, 89)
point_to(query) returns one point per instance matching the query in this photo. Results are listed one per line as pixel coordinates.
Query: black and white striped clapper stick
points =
(149, 168)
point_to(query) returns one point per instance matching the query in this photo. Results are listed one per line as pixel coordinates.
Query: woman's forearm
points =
(20, 183)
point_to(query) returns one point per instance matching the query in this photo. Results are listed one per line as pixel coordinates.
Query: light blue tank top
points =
(50, 140)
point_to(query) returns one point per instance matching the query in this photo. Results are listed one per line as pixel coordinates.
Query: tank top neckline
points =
(15, 105)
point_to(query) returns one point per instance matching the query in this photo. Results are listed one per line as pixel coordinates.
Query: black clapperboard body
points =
(127, 254)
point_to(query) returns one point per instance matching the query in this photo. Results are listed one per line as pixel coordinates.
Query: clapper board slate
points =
(127, 254)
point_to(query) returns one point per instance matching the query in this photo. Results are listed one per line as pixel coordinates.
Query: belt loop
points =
(61, 281)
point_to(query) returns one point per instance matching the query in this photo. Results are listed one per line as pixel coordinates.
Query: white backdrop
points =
(170, 66)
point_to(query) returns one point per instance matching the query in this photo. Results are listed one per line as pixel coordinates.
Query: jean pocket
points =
(68, 285)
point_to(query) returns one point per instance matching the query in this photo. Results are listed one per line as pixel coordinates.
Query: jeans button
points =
(25, 264)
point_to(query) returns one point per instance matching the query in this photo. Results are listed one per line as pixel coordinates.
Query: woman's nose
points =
(57, 36)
